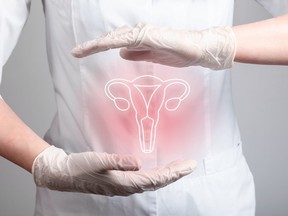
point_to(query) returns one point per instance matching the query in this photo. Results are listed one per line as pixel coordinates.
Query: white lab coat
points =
(203, 127)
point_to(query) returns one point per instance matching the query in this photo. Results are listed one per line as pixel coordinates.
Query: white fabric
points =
(203, 127)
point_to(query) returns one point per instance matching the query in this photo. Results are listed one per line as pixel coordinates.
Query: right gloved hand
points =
(102, 173)
(212, 48)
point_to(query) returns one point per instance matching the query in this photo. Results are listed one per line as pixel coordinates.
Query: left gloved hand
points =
(102, 173)
(212, 48)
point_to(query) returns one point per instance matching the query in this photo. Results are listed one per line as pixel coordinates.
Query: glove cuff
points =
(42, 168)
(220, 48)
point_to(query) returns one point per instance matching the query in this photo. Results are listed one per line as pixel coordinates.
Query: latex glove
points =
(101, 173)
(212, 48)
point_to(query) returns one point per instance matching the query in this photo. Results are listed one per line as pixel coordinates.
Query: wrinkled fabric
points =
(200, 126)
(107, 104)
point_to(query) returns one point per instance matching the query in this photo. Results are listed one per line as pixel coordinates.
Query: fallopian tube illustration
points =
(146, 94)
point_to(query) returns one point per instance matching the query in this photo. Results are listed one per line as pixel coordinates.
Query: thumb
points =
(137, 55)
(103, 161)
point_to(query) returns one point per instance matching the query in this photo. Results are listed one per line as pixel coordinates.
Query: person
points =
(86, 172)
(191, 118)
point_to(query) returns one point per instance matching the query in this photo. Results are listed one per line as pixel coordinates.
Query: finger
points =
(161, 177)
(137, 182)
(120, 37)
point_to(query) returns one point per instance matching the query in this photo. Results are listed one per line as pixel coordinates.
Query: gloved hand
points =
(101, 173)
(212, 48)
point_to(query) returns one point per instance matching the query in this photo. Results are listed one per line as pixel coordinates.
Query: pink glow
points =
(148, 97)
(111, 123)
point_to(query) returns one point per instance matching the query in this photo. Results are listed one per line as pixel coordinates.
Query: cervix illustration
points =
(147, 94)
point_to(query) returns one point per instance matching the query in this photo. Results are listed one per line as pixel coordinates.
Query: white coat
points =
(193, 118)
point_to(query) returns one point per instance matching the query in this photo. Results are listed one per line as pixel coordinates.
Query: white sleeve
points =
(13, 15)
(275, 7)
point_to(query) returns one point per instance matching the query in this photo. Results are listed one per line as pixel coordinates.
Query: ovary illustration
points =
(147, 95)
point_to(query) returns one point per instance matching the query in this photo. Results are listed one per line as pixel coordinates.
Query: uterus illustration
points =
(147, 95)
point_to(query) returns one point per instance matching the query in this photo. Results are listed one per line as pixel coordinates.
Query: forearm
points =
(18, 143)
(263, 42)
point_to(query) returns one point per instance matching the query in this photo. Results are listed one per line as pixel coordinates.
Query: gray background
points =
(260, 97)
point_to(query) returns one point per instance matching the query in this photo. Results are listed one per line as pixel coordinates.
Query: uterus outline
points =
(147, 95)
